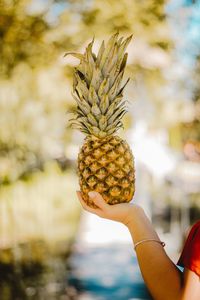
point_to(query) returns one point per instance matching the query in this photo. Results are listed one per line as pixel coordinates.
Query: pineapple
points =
(105, 161)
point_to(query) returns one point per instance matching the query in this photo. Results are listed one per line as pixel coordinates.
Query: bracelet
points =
(148, 240)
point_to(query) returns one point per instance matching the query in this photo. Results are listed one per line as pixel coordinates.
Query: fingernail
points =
(92, 194)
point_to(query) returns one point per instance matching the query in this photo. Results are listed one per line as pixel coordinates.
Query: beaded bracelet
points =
(148, 240)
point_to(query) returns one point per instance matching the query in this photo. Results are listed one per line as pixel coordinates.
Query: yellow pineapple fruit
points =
(105, 161)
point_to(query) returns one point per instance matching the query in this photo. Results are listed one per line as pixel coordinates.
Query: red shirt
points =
(190, 256)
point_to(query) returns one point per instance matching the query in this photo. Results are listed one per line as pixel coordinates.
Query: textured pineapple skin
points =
(106, 166)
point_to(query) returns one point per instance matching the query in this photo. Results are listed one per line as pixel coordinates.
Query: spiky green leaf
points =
(95, 110)
(117, 115)
(97, 78)
(116, 87)
(110, 44)
(100, 54)
(82, 104)
(76, 55)
(124, 44)
(115, 124)
(121, 90)
(104, 87)
(104, 104)
(92, 119)
(102, 122)
(109, 60)
(92, 96)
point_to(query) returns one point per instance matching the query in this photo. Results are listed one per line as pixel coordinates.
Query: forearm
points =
(162, 277)
(159, 272)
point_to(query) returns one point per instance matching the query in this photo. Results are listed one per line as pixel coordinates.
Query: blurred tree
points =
(196, 96)
(190, 131)
(21, 35)
(33, 97)
(24, 36)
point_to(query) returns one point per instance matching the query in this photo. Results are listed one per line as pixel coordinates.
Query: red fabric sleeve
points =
(190, 256)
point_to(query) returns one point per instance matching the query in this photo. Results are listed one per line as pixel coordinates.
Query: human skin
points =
(163, 279)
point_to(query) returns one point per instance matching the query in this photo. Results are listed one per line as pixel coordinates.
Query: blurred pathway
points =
(103, 265)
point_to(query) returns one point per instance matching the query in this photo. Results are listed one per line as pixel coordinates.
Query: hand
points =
(122, 212)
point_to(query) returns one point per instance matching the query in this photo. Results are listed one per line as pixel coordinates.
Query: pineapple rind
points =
(110, 173)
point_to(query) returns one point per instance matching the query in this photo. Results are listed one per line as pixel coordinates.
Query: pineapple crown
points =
(97, 87)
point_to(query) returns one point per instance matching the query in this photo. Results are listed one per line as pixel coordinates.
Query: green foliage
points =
(21, 36)
(191, 131)
(145, 19)
(33, 210)
(33, 91)
(33, 119)
(196, 97)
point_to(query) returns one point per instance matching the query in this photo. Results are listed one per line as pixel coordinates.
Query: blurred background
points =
(49, 248)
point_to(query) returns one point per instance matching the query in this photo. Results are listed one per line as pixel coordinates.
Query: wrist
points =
(134, 212)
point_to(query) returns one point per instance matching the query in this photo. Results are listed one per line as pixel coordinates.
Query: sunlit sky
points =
(186, 29)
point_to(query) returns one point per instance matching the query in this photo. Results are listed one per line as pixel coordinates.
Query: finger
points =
(87, 207)
(98, 200)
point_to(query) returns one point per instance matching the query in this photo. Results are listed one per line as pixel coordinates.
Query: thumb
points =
(98, 200)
